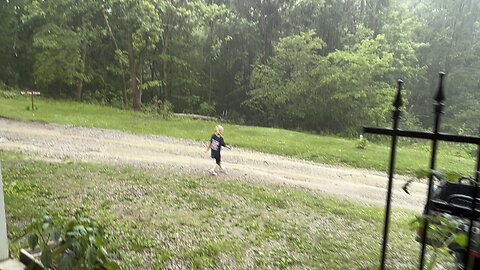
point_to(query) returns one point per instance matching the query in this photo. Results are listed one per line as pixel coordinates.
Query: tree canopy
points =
(319, 65)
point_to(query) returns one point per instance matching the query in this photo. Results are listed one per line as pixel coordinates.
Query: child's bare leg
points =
(212, 170)
(215, 167)
(221, 168)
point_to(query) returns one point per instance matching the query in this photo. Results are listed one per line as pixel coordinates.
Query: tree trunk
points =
(453, 39)
(165, 90)
(140, 81)
(164, 80)
(134, 79)
(210, 82)
(263, 31)
(124, 87)
(82, 70)
(124, 81)
(266, 29)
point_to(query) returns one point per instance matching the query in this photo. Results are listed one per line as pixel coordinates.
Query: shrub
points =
(77, 244)
(8, 94)
(361, 143)
(206, 109)
(159, 107)
(166, 110)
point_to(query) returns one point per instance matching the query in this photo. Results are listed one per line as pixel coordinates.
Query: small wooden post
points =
(3, 223)
(31, 93)
(33, 107)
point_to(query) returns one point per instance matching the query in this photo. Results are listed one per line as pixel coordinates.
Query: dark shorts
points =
(217, 158)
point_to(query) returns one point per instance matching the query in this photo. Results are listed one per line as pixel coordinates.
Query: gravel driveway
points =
(58, 142)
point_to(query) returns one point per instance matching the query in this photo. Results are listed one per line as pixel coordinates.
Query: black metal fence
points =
(469, 212)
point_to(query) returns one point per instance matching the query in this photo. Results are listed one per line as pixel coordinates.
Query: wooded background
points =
(327, 66)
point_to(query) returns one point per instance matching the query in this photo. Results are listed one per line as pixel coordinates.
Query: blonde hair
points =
(219, 130)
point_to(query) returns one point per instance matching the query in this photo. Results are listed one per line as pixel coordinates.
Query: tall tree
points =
(450, 28)
(233, 66)
(86, 20)
(139, 25)
(9, 28)
(57, 57)
(213, 16)
(177, 19)
(267, 15)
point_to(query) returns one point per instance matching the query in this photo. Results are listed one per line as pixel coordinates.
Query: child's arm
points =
(208, 147)
(225, 145)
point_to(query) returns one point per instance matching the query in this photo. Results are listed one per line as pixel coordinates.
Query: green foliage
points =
(282, 91)
(76, 244)
(338, 92)
(9, 28)
(29, 108)
(206, 109)
(361, 143)
(399, 32)
(161, 108)
(450, 31)
(8, 94)
(152, 84)
(166, 110)
(443, 230)
(58, 56)
(355, 97)
(236, 53)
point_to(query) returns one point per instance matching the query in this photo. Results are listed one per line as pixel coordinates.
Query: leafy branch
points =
(74, 245)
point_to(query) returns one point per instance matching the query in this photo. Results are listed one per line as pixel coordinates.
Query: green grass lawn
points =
(156, 221)
(317, 148)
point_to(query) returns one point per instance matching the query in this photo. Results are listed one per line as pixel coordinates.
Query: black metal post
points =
(397, 104)
(439, 99)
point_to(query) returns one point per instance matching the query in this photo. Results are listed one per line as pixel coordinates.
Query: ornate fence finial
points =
(440, 96)
(398, 102)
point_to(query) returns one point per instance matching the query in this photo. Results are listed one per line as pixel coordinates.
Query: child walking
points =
(216, 143)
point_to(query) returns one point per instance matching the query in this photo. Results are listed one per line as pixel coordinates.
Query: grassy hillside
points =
(323, 149)
(159, 221)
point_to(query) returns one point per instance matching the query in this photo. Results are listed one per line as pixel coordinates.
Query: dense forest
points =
(327, 66)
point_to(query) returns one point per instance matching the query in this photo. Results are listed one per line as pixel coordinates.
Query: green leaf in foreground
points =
(32, 241)
(46, 257)
(66, 263)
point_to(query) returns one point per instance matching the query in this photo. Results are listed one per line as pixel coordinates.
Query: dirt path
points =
(57, 142)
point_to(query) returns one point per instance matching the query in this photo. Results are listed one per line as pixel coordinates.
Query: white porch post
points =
(3, 223)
